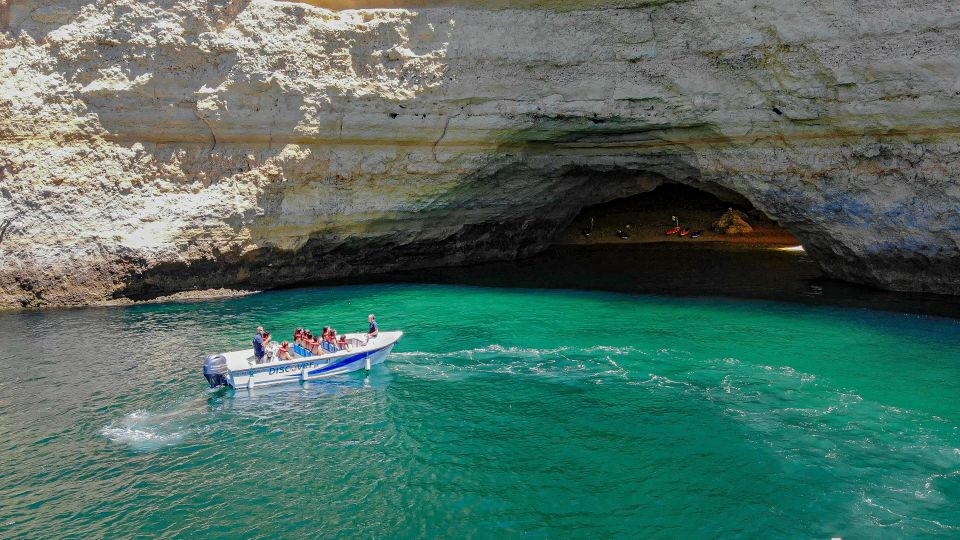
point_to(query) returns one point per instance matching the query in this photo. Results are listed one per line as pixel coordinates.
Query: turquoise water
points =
(503, 413)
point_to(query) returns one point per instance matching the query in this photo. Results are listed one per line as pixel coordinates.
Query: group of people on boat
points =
(306, 343)
(326, 341)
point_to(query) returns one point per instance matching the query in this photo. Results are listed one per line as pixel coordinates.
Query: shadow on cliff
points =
(510, 209)
(330, 258)
(190, 101)
(533, 184)
(210, 119)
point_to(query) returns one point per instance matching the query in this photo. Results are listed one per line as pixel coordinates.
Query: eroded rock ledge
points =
(154, 147)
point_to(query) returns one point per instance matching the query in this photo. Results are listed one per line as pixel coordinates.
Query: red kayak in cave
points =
(684, 232)
(673, 231)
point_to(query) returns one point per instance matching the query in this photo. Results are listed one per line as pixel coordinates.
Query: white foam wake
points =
(145, 430)
(515, 351)
(570, 362)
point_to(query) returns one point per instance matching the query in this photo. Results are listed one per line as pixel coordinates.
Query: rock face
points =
(732, 222)
(153, 147)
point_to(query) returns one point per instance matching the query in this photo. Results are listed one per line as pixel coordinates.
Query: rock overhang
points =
(268, 131)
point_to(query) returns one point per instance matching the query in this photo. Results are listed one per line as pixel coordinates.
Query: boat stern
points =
(215, 370)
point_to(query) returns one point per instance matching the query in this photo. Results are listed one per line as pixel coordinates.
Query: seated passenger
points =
(298, 336)
(269, 347)
(342, 343)
(284, 352)
(330, 342)
(313, 345)
(334, 339)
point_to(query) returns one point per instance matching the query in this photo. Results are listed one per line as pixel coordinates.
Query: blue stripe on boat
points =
(339, 364)
(343, 362)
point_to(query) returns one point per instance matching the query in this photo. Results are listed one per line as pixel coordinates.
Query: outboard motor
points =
(215, 370)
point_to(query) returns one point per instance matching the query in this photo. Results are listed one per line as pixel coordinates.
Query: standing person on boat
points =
(258, 349)
(374, 327)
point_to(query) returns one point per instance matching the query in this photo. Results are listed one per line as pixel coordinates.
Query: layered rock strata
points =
(152, 147)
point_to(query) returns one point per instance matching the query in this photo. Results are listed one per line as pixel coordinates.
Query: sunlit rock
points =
(153, 147)
(732, 222)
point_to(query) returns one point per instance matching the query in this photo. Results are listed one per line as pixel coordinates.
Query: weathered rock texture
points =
(732, 222)
(148, 147)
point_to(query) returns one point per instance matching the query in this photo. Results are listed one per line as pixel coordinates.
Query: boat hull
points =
(306, 370)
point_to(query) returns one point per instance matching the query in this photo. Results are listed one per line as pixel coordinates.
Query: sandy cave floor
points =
(646, 218)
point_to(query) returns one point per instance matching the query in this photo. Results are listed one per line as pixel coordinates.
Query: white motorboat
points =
(240, 369)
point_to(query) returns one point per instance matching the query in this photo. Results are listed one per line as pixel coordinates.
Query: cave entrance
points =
(646, 217)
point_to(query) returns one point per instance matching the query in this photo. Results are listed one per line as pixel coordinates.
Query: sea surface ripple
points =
(502, 413)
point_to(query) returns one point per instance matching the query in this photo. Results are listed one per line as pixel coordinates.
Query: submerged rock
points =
(151, 148)
(732, 222)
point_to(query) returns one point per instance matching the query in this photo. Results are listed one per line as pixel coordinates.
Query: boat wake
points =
(563, 362)
(144, 430)
(807, 423)
(496, 349)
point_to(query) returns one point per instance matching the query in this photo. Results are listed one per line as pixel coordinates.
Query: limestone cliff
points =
(157, 146)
